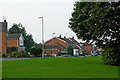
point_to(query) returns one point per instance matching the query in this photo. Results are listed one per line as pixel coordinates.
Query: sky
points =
(56, 14)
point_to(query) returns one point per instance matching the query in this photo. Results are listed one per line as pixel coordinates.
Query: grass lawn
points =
(68, 67)
(0, 70)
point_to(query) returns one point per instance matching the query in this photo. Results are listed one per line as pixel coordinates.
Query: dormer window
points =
(21, 41)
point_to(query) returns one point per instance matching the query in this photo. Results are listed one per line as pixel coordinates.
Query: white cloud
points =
(56, 16)
(39, 0)
(0, 11)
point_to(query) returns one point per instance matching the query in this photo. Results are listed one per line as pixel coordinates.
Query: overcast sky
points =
(56, 15)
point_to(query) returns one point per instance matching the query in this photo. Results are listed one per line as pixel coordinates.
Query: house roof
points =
(75, 41)
(65, 39)
(70, 40)
(61, 45)
(13, 36)
(85, 44)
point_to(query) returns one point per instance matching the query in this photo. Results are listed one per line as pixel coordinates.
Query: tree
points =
(29, 42)
(18, 28)
(100, 23)
(36, 51)
(70, 50)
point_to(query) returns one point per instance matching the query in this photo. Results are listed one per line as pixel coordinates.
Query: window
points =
(21, 43)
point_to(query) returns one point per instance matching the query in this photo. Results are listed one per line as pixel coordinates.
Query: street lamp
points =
(53, 44)
(42, 36)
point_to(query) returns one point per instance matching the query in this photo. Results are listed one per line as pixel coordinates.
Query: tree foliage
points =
(18, 28)
(37, 52)
(13, 48)
(99, 22)
(70, 50)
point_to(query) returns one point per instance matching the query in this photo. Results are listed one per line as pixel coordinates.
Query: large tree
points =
(18, 28)
(99, 22)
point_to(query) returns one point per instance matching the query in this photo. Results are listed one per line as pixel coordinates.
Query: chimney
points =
(60, 36)
(3, 26)
(73, 37)
(4, 20)
(3, 29)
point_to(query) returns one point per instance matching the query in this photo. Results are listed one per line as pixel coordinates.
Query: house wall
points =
(50, 51)
(62, 49)
(21, 40)
(3, 30)
(3, 41)
(87, 49)
(78, 48)
(56, 40)
(53, 42)
(12, 42)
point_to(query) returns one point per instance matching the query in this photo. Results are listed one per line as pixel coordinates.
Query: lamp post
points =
(42, 37)
(53, 44)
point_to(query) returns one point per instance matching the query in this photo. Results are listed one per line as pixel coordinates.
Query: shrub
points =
(18, 56)
(33, 55)
(13, 48)
(37, 52)
(14, 54)
(83, 53)
(9, 54)
(3, 55)
(59, 53)
(6, 55)
(111, 57)
(86, 54)
(26, 54)
(21, 53)
(48, 54)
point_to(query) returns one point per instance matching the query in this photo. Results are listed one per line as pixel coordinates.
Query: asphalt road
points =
(3, 59)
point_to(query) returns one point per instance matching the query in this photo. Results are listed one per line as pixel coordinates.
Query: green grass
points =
(0, 70)
(70, 67)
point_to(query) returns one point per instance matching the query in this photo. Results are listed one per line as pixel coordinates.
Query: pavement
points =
(4, 59)
(0, 59)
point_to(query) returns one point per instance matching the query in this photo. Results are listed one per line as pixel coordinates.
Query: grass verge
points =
(69, 67)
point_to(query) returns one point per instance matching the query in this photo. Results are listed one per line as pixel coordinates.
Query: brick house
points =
(88, 48)
(3, 41)
(59, 44)
(9, 40)
(16, 40)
